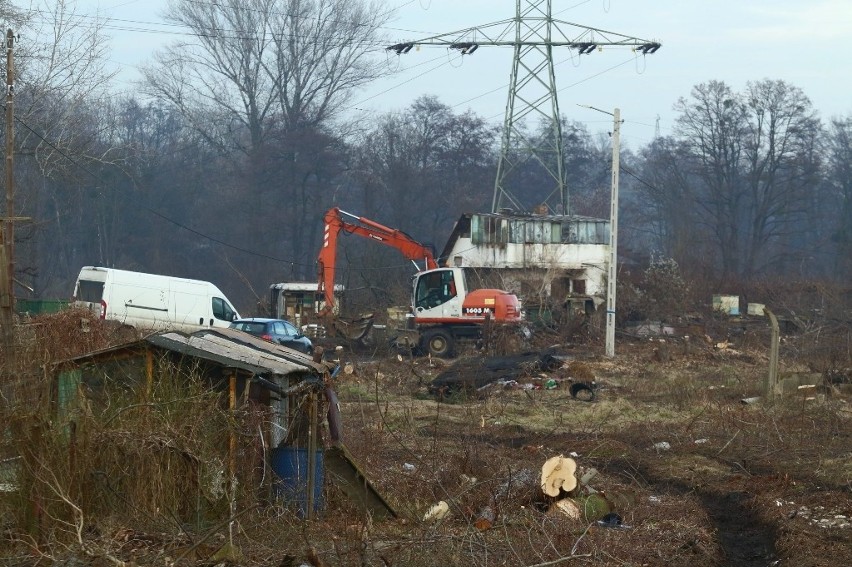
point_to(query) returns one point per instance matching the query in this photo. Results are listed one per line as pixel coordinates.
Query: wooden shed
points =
(212, 406)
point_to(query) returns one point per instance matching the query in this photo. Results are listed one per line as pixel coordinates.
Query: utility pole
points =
(10, 159)
(613, 236)
(7, 266)
(612, 271)
(532, 33)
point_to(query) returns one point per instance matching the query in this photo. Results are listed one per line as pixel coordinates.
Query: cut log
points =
(565, 507)
(486, 518)
(557, 474)
(437, 512)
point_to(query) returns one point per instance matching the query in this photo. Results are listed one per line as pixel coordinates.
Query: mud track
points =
(744, 539)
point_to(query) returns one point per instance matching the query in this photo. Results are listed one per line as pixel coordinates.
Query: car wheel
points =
(438, 342)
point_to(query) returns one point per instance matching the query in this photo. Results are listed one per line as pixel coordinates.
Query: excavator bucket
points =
(354, 330)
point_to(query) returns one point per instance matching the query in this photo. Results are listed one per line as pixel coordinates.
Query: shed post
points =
(232, 451)
(312, 452)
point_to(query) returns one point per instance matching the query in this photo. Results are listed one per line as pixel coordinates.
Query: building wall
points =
(539, 262)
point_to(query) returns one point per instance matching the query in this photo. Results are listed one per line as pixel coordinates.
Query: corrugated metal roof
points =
(228, 347)
(238, 349)
(258, 343)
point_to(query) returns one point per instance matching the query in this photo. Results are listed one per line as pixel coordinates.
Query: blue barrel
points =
(290, 465)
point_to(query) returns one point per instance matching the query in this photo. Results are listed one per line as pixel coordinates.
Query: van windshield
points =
(90, 291)
(223, 311)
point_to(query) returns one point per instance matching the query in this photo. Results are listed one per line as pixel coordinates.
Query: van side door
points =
(190, 306)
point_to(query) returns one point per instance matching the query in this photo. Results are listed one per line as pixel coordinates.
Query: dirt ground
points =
(696, 475)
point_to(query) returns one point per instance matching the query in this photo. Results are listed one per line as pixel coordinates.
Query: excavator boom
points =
(337, 220)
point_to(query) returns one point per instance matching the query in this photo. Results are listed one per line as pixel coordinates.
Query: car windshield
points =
(290, 329)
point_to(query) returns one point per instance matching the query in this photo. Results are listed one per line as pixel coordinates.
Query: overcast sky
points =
(806, 43)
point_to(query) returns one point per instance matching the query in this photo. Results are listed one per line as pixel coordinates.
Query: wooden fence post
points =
(772, 377)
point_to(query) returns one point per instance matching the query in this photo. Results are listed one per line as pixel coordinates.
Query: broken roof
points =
(462, 225)
(228, 347)
(518, 215)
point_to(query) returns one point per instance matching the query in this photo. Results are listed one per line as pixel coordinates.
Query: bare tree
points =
(712, 125)
(322, 53)
(415, 170)
(256, 62)
(752, 166)
(782, 171)
(60, 76)
(11, 15)
(263, 81)
(663, 205)
(61, 72)
(424, 166)
(839, 176)
(221, 72)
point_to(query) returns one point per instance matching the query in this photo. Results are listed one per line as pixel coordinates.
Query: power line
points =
(396, 86)
(533, 33)
(98, 22)
(376, 47)
(639, 179)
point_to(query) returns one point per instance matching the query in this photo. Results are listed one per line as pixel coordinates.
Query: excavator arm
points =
(337, 220)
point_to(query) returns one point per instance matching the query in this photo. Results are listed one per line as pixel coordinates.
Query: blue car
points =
(277, 331)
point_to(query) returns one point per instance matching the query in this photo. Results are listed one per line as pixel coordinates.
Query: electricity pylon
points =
(533, 33)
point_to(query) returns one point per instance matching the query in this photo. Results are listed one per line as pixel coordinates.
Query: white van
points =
(150, 301)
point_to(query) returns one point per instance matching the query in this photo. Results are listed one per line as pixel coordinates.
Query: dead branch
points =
(79, 524)
(560, 560)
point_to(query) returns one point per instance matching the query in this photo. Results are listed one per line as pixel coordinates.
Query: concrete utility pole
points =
(612, 272)
(613, 236)
(532, 33)
(7, 266)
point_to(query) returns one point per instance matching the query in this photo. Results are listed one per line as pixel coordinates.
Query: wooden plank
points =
(349, 477)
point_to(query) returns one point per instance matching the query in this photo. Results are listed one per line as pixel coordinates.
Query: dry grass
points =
(738, 484)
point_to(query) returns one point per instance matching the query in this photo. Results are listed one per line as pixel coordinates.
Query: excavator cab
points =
(435, 288)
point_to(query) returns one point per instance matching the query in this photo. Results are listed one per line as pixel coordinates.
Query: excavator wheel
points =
(438, 342)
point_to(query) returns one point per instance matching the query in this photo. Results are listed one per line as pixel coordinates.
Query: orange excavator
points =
(443, 309)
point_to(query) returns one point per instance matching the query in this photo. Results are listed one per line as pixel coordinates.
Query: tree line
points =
(222, 164)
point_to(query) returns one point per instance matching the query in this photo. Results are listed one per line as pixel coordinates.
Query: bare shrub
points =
(661, 293)
(123, 451)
